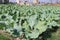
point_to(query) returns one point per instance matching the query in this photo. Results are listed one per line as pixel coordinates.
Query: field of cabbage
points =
(29, 22)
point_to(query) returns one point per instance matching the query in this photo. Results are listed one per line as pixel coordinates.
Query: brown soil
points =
(5, 34)
(54, 4)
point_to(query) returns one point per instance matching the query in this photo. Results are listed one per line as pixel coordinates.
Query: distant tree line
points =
(4, 1)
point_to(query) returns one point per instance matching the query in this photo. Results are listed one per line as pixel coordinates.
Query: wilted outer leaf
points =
(33, 34)
(41, 26)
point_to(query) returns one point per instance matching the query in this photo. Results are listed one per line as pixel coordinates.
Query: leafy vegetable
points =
(28, 21)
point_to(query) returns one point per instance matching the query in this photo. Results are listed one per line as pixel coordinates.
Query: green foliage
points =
(28, 20)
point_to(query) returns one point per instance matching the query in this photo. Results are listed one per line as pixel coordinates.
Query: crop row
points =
(28, 21)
